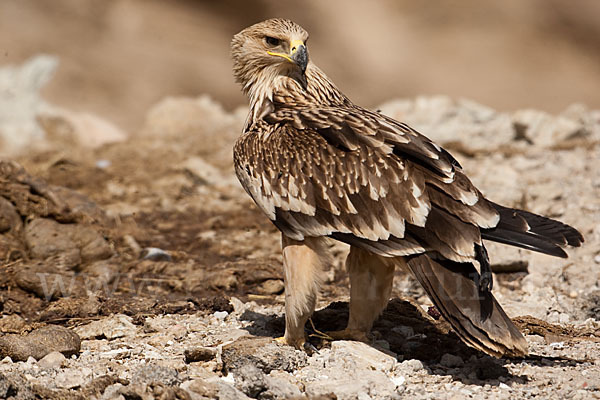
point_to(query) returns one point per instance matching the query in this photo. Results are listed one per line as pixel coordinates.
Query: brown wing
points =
(361, 178)
(349, 127)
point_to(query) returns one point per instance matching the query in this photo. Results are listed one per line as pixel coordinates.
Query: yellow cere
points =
(294, 45)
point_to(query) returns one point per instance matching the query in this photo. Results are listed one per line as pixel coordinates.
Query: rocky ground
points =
(135, 267)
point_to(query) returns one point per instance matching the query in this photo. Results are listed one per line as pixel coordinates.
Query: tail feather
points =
(532, 232)
(475, 315)
(525, 241)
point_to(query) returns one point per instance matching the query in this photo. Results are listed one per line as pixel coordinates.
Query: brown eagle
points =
(320, 166)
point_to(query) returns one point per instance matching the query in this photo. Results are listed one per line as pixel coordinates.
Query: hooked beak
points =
(298, 54)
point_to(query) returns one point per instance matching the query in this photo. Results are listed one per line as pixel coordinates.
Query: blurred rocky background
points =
(134, 266)
(118, 57)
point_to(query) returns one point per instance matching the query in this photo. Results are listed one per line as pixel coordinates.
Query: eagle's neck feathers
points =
(314, 88)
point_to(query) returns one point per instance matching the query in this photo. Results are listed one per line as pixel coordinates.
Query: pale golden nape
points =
(320, 167)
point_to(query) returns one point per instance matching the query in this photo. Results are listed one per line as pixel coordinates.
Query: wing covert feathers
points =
(475, 315)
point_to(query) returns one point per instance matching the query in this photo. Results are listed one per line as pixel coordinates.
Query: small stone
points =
(73, 378)
(535, 339)
(597, 259)
(152, 373)
(503, 385)
(271, 286)
(212, 387)
(363, 354)
(39, 342)
(405, 331)
(280, 387)
(264, 353)
(52, 360)
(116, 354)
(238, 305)
(250, 380)
(221, 315)
(103, 163)
(411, 365)
(6, 360)
(451, 361)
(382, 344)
(199, 354)
(114, 327)
(155, 254)
(399, 380)
(151, 326)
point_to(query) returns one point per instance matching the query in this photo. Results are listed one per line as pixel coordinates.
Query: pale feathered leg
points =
(302, 265)
(371, 279)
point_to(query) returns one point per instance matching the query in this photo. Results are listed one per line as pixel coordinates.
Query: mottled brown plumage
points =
(320, 166)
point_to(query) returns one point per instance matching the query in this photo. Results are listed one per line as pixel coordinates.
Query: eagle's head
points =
(269, 49)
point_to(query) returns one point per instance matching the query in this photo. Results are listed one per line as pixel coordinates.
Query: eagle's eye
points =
(271, 41)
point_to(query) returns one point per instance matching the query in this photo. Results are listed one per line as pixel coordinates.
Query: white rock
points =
(85, 129)
(364, 354)
(116, 354)
(445, 120)
(221, 315)
(20, 103)
(238, 306)
(113, 327)
(103, 163)
(278, 388)
(205, 171)
(53, 360)
(229, 378)
(544, 129)
(155, 254)
(411, 365)
(399, 380)
(73, 378)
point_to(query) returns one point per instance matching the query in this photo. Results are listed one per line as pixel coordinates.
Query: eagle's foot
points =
(349, 334)
(298, 344)
(317, 333)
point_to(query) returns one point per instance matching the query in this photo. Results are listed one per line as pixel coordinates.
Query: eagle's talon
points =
(318, 333)
(299, 344)
(309, 348)
(281, 340)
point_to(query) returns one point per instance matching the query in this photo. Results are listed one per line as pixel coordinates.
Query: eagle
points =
(321, 167)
